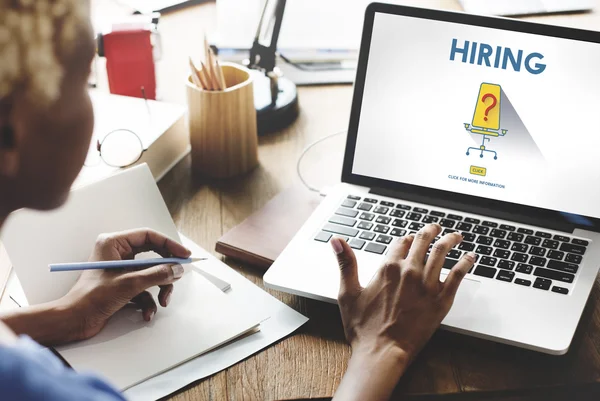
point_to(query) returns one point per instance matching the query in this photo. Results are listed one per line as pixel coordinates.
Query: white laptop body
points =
(518, 178)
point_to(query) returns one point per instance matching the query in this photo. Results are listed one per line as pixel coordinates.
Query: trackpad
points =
(462, 302)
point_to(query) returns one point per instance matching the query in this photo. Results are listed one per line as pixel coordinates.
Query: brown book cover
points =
(260, 238)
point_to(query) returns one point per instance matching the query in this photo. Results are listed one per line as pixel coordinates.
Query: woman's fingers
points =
(145, 239)
(140, 280)
(457, 273)
(421, 243)
(349, 284)
(164, 296)
(399, 248)
(438, 254)
(145, 302)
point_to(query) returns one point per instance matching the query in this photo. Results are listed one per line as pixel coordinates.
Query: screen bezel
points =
(503, 207)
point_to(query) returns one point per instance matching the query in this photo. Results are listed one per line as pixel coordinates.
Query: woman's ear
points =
(9, 157)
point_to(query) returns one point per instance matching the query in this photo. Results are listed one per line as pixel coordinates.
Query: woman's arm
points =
(390, 321)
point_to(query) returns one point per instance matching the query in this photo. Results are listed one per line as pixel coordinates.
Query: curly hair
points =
(36, 36)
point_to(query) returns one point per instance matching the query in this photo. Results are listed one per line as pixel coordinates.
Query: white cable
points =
(306, 149)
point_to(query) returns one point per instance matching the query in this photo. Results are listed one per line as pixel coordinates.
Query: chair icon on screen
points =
(486, 119)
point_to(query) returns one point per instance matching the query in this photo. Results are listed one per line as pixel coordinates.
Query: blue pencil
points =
(120, 264)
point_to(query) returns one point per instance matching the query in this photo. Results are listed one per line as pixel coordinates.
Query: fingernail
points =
(168, 298)
(471, 255)
(151, 316)
(177, 271)
(337, 246)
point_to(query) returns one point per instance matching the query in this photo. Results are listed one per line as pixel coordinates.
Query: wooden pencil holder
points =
(223, 131)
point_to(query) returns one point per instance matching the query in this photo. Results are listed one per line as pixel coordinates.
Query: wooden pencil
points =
(195, 76)
(220, 74)
(206, 74)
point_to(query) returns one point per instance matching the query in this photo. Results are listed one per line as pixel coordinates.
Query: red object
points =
(130, 63)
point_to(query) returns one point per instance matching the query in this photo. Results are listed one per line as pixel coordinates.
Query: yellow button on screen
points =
(478, 170)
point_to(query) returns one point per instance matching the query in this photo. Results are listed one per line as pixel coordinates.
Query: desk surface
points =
(310, 364)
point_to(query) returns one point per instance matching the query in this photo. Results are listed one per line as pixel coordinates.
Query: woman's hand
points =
(388, 322)
(98, 294)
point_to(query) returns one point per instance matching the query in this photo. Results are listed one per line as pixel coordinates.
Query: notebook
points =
(129, 350)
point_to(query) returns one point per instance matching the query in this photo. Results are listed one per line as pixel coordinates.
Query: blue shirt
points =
(30, 372)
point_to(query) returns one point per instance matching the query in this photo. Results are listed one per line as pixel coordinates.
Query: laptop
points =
(525, 7)
(487, 127)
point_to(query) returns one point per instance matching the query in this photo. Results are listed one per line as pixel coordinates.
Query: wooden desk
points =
(311, 363)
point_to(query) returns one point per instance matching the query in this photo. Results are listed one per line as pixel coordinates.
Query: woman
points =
(46, 121)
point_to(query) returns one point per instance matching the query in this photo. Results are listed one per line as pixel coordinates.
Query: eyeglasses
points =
(119, 148)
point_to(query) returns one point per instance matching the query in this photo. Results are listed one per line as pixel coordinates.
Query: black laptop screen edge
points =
(419, 192)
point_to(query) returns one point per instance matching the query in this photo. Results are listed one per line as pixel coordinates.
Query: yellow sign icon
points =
(478, 170)
(487, 109)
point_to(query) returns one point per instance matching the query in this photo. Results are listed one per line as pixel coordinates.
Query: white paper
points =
(283, 321)
(34, 239)
(129, 350)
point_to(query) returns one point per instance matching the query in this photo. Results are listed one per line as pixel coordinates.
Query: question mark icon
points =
(491, 106)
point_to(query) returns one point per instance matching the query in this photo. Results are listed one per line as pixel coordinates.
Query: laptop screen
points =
(492, 113)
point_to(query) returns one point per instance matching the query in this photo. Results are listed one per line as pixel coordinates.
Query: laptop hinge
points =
(551, 224)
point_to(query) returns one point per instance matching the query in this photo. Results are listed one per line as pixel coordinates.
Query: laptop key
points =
(537, 261)
(356, 243)
(524, 282)
(531, 240)
(488, 261)
(365, 206)
(403, 207)
(416, 226)
(515, 237)
(524, 268)
(375, 248)
(519, 247)
(525, 231)
(437, 214)
(519, 257)
(562, 266)
(462, 226)
(543, 234)
(386, 203)
(557, 255)
(367, 216)
(323, 236)
(368, 235)
(414, 216)
(454, 217)
(430, 219)
(365, 225)
(506, 264)
(481, 230)
(496, 233)
(468, 237)
(371, 200)
(472, 220)
(381, 210)
(573, 258)
(485, 271)
(537, 251)
(400, 223)
(562, 238)
(337, 229)
(345, 221)
(505, 275)
(580, 242)
(397, 213)
(447, 223)
(507, 227)
(500, 243)
(560, 290)
(342, 237)
(466, 246)
(484, 250)
(384, 239)
(548, 243)
(383, 220)
(342, 211)
(349, 203)
(483, 240)
(571, 248)
(379, 228)
(490, 224)
(398, 232)
(420, 210)
(554, 275)
(454, 254)
(501, 253)
(353, 197)
(542, 284)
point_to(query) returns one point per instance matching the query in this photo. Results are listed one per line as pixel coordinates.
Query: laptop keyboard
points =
(505, 252)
